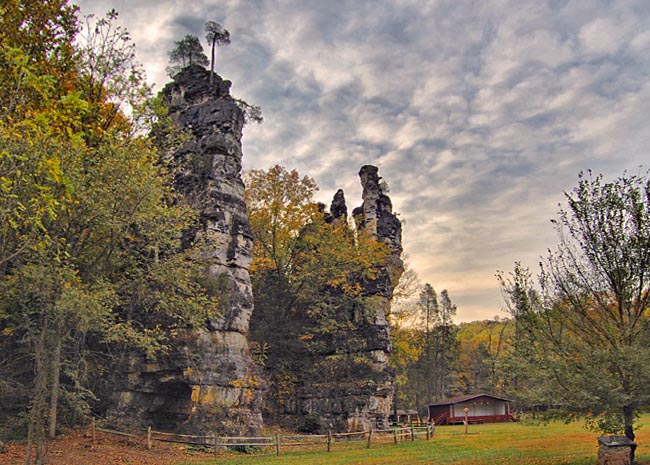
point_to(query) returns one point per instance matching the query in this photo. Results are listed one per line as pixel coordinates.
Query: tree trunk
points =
(38, 411)
(212, 64)
(395, 404)
(628, 418)
(40, 448)
(30, 440)
(56, 377)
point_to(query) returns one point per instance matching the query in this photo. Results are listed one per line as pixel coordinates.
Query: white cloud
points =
(602, 36)
(479, 114)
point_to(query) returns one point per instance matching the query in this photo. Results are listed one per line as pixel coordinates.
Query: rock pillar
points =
(210, 382)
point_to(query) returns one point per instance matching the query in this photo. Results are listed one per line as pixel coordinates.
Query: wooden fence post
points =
(93, 430)
(216, 449)
(395, 435)
(412, 434)
(149, 438)
(369, 439)
(277, 443)
(329, 441)
(428, 429)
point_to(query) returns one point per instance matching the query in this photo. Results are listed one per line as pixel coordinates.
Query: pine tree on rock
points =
(215, 34)
(187, 52)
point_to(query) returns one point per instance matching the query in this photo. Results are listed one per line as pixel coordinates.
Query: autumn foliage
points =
(88, 218)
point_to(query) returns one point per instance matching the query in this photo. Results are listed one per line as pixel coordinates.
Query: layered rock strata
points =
(210, 383)
(366, 402)
(376, 216)
(344, 382)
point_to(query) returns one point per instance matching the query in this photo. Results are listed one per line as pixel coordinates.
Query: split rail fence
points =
(280, 441)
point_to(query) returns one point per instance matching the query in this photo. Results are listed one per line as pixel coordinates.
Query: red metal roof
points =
(461, 399)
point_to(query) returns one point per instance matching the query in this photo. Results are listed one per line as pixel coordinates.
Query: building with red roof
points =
(481, 408)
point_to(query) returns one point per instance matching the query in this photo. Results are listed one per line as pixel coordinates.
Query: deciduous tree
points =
(308, 272)
(425, 338)
(406, 339)
(439, 351)
(88, 217)
(591, 325)
(484, 348)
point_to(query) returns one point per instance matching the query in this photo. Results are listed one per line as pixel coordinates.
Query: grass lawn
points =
(496, 444)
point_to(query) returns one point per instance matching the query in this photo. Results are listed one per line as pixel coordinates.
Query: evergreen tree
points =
(186, 52)
(215, 34)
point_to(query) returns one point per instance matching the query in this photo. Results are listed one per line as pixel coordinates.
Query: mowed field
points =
(496, 444)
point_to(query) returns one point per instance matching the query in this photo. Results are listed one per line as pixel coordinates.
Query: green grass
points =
(506, 443)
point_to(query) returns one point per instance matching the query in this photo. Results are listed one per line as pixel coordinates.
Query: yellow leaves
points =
(260, 262)
(250, 382)
(330, 255)
(280, 205)
(407, 347)
(51, 166)
(294, 240)
(248, 385)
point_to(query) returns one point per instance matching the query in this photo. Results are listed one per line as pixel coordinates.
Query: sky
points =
(480, 114)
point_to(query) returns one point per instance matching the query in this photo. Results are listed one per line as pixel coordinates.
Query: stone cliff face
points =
(344, 382)
(366, 402)
(360, 396)
(338, 380)
(376, 215)
(210, 383)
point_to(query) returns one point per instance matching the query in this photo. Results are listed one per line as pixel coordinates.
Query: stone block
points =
(615, 450)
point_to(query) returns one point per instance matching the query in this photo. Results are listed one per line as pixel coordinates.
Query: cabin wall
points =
(480, 409)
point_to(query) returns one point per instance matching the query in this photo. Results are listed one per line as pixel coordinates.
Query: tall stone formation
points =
(376, 216)
(210, 383)
(359, 396)
(342, 381)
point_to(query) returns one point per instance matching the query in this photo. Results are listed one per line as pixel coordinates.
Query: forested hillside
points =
(435, 358)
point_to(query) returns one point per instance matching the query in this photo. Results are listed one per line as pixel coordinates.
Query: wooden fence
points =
(280, 441)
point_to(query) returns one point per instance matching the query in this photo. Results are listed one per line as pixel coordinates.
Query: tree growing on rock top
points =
(187, 51)
(215, 34)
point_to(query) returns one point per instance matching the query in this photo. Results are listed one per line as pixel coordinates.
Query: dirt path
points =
(76, 448)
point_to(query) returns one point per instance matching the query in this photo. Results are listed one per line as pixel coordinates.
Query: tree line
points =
(576, 342)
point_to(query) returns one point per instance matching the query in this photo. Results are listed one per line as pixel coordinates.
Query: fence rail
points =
(398, 434)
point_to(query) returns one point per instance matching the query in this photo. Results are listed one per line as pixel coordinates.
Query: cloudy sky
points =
(479, 113)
